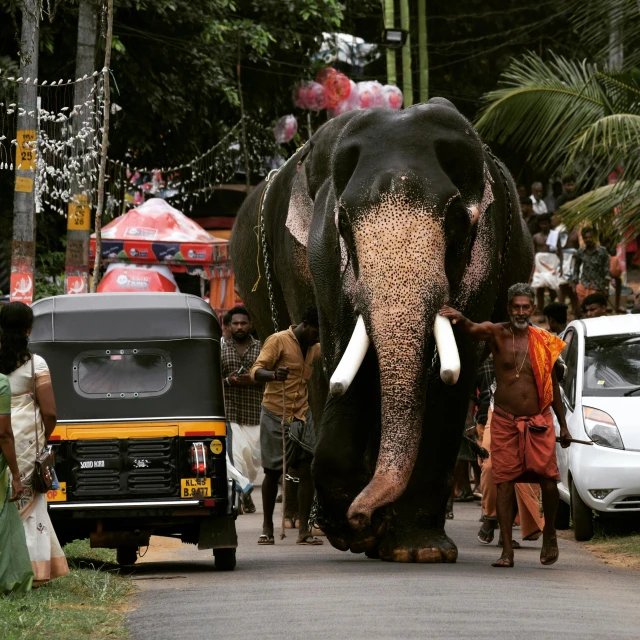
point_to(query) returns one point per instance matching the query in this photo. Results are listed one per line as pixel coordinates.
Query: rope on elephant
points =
(259, 227)
(284, 465)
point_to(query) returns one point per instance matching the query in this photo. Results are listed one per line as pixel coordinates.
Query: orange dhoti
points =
(527, 495)
(523, 448)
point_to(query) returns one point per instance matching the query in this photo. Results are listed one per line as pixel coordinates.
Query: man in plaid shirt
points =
(242, 396)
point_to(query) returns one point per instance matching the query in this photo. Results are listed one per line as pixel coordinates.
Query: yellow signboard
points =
(24, 185)
(58, 495)
(26, 150)
(79, 213)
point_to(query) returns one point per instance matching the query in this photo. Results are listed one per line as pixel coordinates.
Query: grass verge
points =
(88, 603)
(617, 550)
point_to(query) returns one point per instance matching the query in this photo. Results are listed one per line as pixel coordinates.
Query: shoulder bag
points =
(43, 473)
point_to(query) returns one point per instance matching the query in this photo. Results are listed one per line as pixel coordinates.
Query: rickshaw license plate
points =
(195, 487)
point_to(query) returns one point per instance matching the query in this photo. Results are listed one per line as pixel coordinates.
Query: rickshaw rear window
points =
(122, 373)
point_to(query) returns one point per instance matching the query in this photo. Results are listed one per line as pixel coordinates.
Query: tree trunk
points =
(616, 44)
(389, 23)
(24, 221)
(105, 147)
(422, 50)
(76, 276)
(407, 80)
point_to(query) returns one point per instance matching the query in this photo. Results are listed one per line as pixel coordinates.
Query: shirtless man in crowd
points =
(523, 438)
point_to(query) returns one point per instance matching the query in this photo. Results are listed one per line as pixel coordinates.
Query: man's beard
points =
(519, 323)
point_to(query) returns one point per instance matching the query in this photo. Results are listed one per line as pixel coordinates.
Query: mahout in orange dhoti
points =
(523, 447)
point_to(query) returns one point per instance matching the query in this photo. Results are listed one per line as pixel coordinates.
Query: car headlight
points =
(601, 428)
(600, 494)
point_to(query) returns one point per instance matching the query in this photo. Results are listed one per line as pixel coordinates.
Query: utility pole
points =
(422, 50)
(23, 248)
(105, 147)
(76, 272)
(616, 43)
(407, 80)
(390, 23)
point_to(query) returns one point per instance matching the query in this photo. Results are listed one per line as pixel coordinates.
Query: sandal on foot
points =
(310, 540)
(503, 562)
(449, 515)
(265, 539)
(486, 536)
(514, 543)
(549, 553)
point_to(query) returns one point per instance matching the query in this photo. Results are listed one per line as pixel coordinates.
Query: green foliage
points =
(579, 116)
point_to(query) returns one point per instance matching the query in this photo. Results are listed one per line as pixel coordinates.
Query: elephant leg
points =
(415, 531)
(344, 462)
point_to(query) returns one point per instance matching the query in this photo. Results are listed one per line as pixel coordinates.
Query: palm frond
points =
(542, 107)
(595, 21)
(618, 202)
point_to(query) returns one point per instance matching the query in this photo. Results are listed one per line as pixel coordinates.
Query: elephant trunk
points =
(401, 287)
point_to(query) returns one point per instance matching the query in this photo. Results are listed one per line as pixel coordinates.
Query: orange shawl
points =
(544, 349)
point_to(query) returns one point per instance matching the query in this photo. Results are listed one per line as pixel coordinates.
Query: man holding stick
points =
(523, 436)
(285, 365)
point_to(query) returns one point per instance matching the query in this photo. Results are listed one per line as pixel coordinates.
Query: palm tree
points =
(580, 116)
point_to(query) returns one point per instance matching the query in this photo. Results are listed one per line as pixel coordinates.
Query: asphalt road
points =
(288, 592)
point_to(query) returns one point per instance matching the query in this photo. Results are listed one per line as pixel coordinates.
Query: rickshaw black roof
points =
(100, 317)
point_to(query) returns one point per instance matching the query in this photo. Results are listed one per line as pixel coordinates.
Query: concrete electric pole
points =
(76, 273)
(23, 247)
(407, 80)
(422, 50)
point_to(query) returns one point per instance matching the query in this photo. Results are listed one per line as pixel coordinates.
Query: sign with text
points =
(24, 185)
(79, 213)
(21, 287)
(26, 150)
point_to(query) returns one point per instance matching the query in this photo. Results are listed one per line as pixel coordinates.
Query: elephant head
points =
(397, 226)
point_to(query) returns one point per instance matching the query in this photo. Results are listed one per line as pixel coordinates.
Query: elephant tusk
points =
(351, 360)
(447, 350)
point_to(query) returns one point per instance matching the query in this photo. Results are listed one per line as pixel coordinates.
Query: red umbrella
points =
(137, 278)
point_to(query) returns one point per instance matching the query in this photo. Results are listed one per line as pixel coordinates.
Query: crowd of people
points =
(570, 264)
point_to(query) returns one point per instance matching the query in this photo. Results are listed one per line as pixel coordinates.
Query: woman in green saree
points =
(15, 566)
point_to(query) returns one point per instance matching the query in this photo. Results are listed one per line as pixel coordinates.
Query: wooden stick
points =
(558, 439)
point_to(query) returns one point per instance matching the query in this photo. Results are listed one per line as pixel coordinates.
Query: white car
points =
(601, 396)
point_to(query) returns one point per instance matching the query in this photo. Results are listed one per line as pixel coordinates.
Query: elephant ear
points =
(477, 210)
(300, 208)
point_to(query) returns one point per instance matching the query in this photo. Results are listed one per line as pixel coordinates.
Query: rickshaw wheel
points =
(126, 555)
(225, 559)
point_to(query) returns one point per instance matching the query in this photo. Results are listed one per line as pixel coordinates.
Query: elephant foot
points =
(419, 546)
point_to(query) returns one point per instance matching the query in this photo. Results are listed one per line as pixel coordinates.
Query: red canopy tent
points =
(137, 278)
(156, 233)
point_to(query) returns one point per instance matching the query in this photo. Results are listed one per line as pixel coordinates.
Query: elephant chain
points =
(507, 194)
(265, 253)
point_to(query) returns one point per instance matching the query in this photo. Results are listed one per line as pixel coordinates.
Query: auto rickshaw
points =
(141, 438)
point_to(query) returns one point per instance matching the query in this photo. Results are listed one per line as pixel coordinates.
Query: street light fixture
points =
(394, 38)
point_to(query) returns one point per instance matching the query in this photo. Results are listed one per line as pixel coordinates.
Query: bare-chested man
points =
(523, 436)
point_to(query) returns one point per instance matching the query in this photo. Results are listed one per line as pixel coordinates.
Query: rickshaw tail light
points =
(198, 455)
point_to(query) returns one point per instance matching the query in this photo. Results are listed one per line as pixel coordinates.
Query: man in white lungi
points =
(243, 397)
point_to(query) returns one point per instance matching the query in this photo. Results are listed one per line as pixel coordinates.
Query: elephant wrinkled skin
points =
(387, 215)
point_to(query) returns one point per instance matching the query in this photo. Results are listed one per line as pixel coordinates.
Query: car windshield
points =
(611, 365)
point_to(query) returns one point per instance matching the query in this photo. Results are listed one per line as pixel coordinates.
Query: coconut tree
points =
(582, 116)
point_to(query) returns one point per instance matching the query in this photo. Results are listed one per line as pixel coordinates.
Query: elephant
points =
(380, 219)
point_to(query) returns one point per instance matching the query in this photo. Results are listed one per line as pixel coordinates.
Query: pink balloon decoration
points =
(377, 91)
(366, 98)
(323, 74)
(285, 129)
(315, 97)
(300, 95)
(392, 96)
(337, 89)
